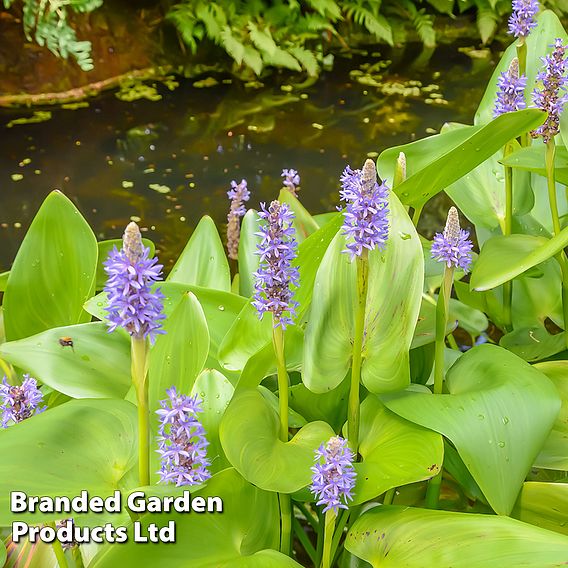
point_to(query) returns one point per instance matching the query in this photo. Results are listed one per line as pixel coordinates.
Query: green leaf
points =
(82, 444)
(393, 303)
(255, 450)
(544, 505)
(554, 454)
(252, 58)
(307, 59)
(505, 257)
(391, 537)
(533, 343)
(53, 273)
(445, 158)
(394, 452)
(104, 249)
(532, 159)
(239, 536)
(203, 261)
(304, 224)
(248, 260)
(232, 45)
(96, 366)
(498, 415)
(4, 280)
(2, 553)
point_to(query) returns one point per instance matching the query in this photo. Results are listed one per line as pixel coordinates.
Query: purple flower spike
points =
(453, 247)
(131, 302)
(276, 274)
(291, 181)
(238, 194)
(366, 222)
(553, 95)
(333, 479)
(511, 93)
(522, 20)
(19, 402)
(181, 441)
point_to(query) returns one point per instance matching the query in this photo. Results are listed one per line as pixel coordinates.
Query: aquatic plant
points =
(291, 181)
(238, 194)
(19, 402)
(511, 93)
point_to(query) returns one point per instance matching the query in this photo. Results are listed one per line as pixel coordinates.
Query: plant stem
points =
(58, 550)
(353, 408)
(139, 370)
(508, 229)
(389, 496)
(8, 371)
(309, 517)
(433, 491)
(441, 323)
(305, 541)
(416, 215)
(328, 538)
(522, 55)
(560, 257)
(342, 521)
(283, 386)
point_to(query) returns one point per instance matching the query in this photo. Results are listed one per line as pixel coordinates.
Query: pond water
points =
(165, 163)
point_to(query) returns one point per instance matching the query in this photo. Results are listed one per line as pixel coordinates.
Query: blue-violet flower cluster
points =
(238, 194)
(511, 93)
(291, 181)
(181, 441)
(275, 275)
(333, 476)
(19, 402)
(453, 247)
(131, 302)
(552, 96)
(522, 20)
(366, 223)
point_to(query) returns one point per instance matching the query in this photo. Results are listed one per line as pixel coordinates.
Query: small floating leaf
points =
(159, 188)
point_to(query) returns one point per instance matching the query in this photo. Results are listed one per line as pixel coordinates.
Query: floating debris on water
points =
(159, 188)
(37, 116)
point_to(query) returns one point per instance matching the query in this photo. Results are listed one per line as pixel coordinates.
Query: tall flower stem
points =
(353, 408)
(508, 229)
(283, 386)
(58, 551)
(441, 322)
(561, 257)
(328, 538)
(8, 371)
(139, 370)
(522, 55)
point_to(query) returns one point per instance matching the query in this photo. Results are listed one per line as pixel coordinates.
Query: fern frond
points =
(307, 59)
(232, 46)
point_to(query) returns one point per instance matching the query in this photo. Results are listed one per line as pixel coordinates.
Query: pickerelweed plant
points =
(354, 391)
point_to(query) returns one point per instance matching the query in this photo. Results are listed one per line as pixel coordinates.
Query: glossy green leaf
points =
(249, 524)
(215, 392)
(449, 156)
(82, 444)
(304, 224)
(532, 159)
(554, 454)
(104, 249)
(504, 257)
(203, 261)
(248, 259)
(392, 537)
(394, 452)
(533, 343)
(498, 415)
(393, 303)
(53, 273)
(4, 280)
(255, 450)
(96, 366)
(544, 505)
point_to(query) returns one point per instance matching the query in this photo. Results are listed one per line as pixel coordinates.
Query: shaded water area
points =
(166, 163)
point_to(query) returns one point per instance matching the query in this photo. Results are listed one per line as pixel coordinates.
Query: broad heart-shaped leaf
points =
(105, 247)
(445, 158)
(554, 454)
(203, 261)
(392, 537)
(395, 452)
(82, 444)
(53, 273)
(498, 415)
(248, 259)
(215, 392)
(304, 224)
(505, 257)
(532, 159)
(544, 505)
(96, 366)
(393, 303)
(248, 525)
(254, 449)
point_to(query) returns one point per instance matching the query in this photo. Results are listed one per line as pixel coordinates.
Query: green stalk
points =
(389, 496)
(304, 540)
(342, 521)
(441, 323)
(522, 56)
(139, 370)
(508, 229)
(283, 386)
(77, 557)
(416, 215)
(560, 257)
(327, 539)
(433, 491)
(8, 371)
(353, 405)
(58, 551)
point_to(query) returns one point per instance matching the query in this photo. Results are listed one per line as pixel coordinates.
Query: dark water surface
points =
(165, 163)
